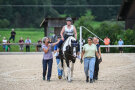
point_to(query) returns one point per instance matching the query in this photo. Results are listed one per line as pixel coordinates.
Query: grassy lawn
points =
(32, 33)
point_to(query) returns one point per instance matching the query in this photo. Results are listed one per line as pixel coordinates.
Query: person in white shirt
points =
(27, 42)
(4, 41)
(68, 30)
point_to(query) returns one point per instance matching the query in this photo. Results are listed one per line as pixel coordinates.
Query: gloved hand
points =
(100, 60)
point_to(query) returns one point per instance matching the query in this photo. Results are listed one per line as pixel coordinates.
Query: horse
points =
(68, 52)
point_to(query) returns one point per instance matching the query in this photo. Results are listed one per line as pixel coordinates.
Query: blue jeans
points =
(89, 65)
(49, 64)
(4, 46)
(59, 71)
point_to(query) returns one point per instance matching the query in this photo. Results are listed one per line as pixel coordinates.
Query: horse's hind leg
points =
(63, 73)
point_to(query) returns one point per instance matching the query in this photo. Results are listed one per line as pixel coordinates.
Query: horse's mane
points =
(67, 42)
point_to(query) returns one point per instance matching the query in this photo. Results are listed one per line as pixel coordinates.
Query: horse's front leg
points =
(72, 68)
(68, 71)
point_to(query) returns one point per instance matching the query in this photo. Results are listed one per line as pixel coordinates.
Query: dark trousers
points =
(96, 68)
(27, 48)
(12, 37)
(61, 42)
(47, 63)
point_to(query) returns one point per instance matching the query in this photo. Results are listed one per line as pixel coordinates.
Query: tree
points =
(4, 23)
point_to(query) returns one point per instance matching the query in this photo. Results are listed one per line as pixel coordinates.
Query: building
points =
(127, 13)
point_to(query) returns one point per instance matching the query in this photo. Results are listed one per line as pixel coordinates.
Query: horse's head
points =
(70, 47)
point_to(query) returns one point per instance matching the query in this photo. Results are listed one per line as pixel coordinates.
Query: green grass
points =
(32, 33)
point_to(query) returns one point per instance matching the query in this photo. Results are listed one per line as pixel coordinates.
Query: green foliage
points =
(27, 17)
(63, 15)
(129, 39)
(4, 23)
(87, 21)
(113, 29)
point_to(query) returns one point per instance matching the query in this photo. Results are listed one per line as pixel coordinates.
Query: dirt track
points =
(24, 72)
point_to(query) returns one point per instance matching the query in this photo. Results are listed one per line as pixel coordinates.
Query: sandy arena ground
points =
(24, 72)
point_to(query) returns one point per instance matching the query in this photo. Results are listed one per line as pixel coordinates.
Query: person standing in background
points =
(120, 42)
(8, 46)
(107, 42)
(38, 47)
(21, 42)
(13, 33)
(4, 41)
(27, 42)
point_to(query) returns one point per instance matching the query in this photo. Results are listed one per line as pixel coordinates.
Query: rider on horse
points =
(67, 30)
(69, 49)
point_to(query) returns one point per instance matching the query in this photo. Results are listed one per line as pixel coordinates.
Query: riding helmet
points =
(68, 19)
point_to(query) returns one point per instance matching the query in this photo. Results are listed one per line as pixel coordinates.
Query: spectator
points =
(8, 46)
(107, 42)
(27, 42)
(4, 41)
(56, 51)
(13, 33)
(120, 42)
(38, 47)
(21, 42)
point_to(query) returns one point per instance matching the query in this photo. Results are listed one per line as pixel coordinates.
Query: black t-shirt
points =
(39, 42)
(98, 47)
(13, 33)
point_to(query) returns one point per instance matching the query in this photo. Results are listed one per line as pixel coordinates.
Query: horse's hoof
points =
(69, 81)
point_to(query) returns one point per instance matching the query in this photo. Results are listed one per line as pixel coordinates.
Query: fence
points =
(15, 46)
